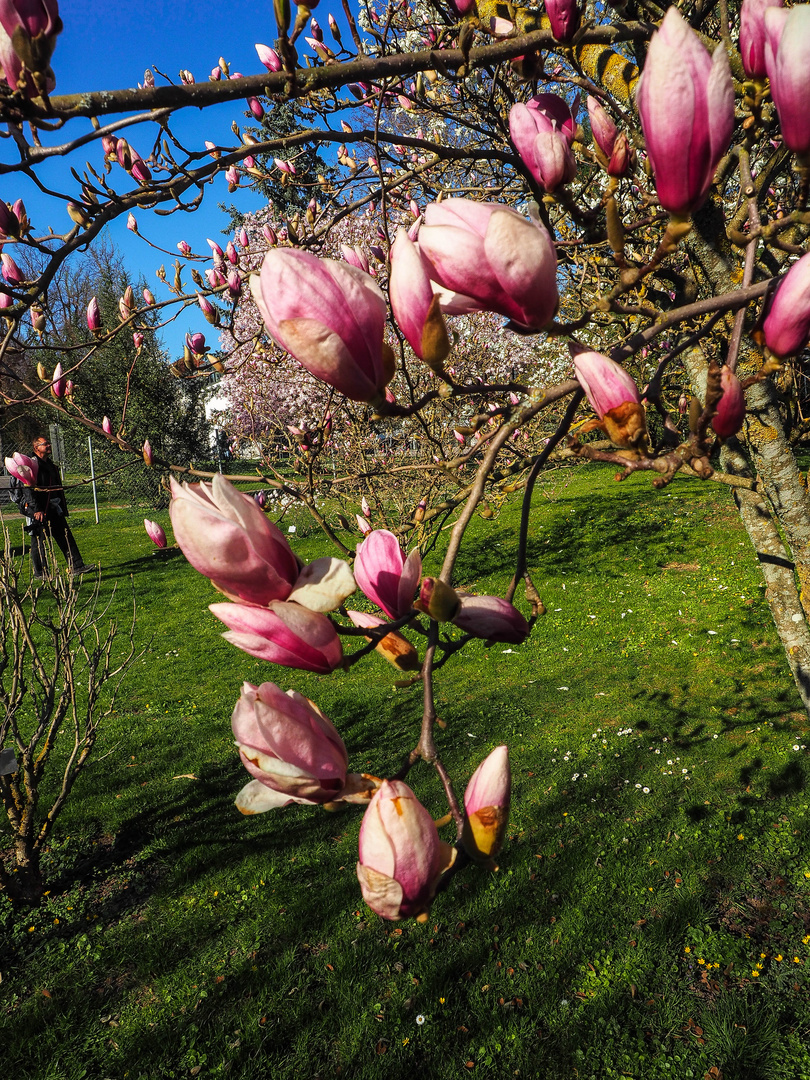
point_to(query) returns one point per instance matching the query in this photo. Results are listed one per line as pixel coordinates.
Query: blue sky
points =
(108, 46)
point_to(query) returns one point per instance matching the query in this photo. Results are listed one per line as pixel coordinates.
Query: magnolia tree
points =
(626, 187)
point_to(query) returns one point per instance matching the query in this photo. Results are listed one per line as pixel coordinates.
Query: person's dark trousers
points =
(57, 528)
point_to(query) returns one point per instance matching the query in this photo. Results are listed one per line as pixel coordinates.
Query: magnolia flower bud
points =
(330, 316)
(11, 272)
(400, 854)
(486, 802)
(9, 222)
(786, 328)
(614, 397)
(93, 316)
(731, 407)
(787, 55)
(155, 533)
(269, 57)
(58, 383)
(438, 600)
(685, 100)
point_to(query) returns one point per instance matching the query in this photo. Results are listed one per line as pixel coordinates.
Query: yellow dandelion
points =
(762, 955)
(717, 965)
(755, 974)
(405, 1041)
(741, 836)
(806, 939)
(687, 949)
(701, 961)
(796, 960)
(441, 1001)
(778, 958)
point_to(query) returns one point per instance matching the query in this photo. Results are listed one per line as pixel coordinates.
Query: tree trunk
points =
(777, 567)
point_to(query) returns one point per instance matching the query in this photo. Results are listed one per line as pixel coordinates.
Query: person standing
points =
(45, 506)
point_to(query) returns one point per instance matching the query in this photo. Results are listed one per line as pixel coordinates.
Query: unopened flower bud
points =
(486, 802)
(93, 316)
(438, 600)
(269, 57)
(731, 407)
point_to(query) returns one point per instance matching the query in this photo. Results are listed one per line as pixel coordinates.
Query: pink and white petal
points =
(323, 585)
(257, 798)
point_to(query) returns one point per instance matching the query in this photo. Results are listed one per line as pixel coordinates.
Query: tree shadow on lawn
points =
(527, 934)
(575, 531)
(297, 963)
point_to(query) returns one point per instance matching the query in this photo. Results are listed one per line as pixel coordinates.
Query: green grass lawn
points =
(651, 917)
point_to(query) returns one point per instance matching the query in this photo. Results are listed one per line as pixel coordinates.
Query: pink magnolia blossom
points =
(605, 382)
(329, 315)
(686, 104)
(226, 537)
(147, 453)
(106, 426)
(414, 304)
(492, 618)
(787, 60)
(400, 857)
(487, 257)
(28, 31)
(613, 395)
(752, 36)
(93, 315)
(564, 18)
(282, 633)
(615, 148)
(269, 57)
(731, 407)
(196, 342)
(155, 533)
(11, 272)
(24, 468)
(554, 114)
(290, 748)
(542, 131)
(9, 222)
(787, 324)
(385, 575)
(58, 384)
(354, 256)
(486, 802)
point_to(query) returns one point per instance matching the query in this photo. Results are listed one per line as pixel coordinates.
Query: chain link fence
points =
(96, 476)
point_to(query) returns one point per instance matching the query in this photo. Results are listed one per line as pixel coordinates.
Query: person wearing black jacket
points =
(45, 506)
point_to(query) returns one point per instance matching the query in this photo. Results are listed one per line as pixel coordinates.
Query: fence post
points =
(93, 476)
